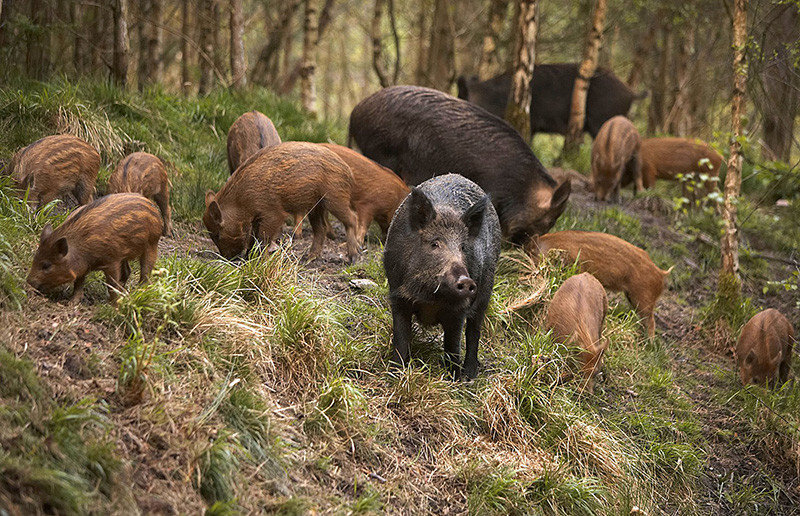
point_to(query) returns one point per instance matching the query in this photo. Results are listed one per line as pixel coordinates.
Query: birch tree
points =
(119, 70)
(308, 93)
(518, 110)
(489, 65)
(238, 66)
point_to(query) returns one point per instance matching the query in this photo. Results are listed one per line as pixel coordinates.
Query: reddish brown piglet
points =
(576, 315)
(665, 158)
(764, 350)
(250, 133)
(615, 159)
(618, 265)
(287, 180)
(57, 167)
(145, 174)
(377, 190)
(103, 235)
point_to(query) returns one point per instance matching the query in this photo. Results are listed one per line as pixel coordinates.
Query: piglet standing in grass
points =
(103, 235)
(764, 350)
(440, 257)
(144, 173)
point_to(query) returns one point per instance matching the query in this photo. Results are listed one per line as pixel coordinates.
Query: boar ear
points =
(750, 358)
(210, 197)
(61, 247)
(421, 211)
(46, 232)
(473, 217)
(560, 196)
(214, 211)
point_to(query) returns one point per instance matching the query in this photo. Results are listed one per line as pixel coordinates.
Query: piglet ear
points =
(215, 212)
(46, 232)
(210, 197)
(473, 217)
(421, 210)
(750, 358)
(61, 247)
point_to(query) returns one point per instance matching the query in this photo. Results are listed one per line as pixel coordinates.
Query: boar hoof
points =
(469, 371)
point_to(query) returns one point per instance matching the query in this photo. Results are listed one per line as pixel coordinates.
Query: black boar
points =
(288, 179)
(764, 350)
(144, 173)
(551, 97)
(102, 235)
(615, 159)
(440, 258)
(250, 133)
(420, 133)
(57, 167)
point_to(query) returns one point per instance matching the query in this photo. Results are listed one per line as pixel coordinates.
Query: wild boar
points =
(288, 179)
(618, 265)
(551, 97)
(420, 133)
(576, 315)
(440, 257)
(615, 159)
(144, 173)
(377, 190)
(249, 133)
(57, 167)
(102, 235)
(764, 350)
(665, 158)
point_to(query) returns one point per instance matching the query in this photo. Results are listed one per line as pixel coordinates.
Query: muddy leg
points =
(162, 200)
(347, 216)
(77, 291)
(147, 261)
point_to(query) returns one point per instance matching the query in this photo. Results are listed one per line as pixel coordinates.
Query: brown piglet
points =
(144, 173)
(764, 350)
(377, 190)
(250, 133)
(103, 235)
(615, 159)
(289, 179)
(618, 265)
(576, 315)
(57, 167)
(665, 158)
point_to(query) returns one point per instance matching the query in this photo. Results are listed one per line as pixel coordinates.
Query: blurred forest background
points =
(678, 52)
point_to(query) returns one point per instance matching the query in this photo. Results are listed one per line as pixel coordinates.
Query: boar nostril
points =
(465, 285)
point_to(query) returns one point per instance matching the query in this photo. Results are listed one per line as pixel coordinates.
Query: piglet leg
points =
(401, 331)
(77, 291)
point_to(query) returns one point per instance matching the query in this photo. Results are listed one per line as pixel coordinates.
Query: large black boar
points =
(551, 96)
(440, 257)
(420, 133)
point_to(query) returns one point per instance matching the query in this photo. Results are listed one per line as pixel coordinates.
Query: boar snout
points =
(465, 286)
(458, 283)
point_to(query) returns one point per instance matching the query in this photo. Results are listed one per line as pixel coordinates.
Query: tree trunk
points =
(643, 50)
(98, 39)
(77, 20)
(489, 65)
(422, 57)
(186, 80)
(677, 121)
(729, 245)
(142, 31)
(377, 46)
(308, 94)
(206, 50)
(238, 66)
(119, 70)
(266, 67)
(218, 54)
(441, 52)
(607, 54)
(35, 60)
(155, 43)
(591, 51)
(518, 110)
(658, 99)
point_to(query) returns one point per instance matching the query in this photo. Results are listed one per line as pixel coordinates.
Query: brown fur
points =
(144, 173)
(665, 158)
(615, 159)
(764, 350)
(618, 265)
(289, 179)
(576, 315)
(57, 167)
(102, 235)
(250, 133)
(377, 190)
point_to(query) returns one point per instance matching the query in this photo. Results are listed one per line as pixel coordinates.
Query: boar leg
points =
(644, 308)
(783, 371)
(473, 336)
(147, 261)
(82, 192)
(401, 331)
(298, 225)
(112, 281)
(162, 200)
(124, 271)
(77, 291)
(317, 218)
(452, 344)
(341, 209)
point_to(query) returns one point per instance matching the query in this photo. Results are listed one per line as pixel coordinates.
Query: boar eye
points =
(46, 266)
(435, 244)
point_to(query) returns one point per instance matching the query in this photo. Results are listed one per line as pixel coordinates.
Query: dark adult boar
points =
(617, 264)
(144, 173)
(288, 179)
(615, 159)
(764, 350)
(377, 191)
(57, 167)
(576, 315)
(103, 235)
(420, 133)
(440, 258)
(551, 97)
(250, 133)
(665, 158)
